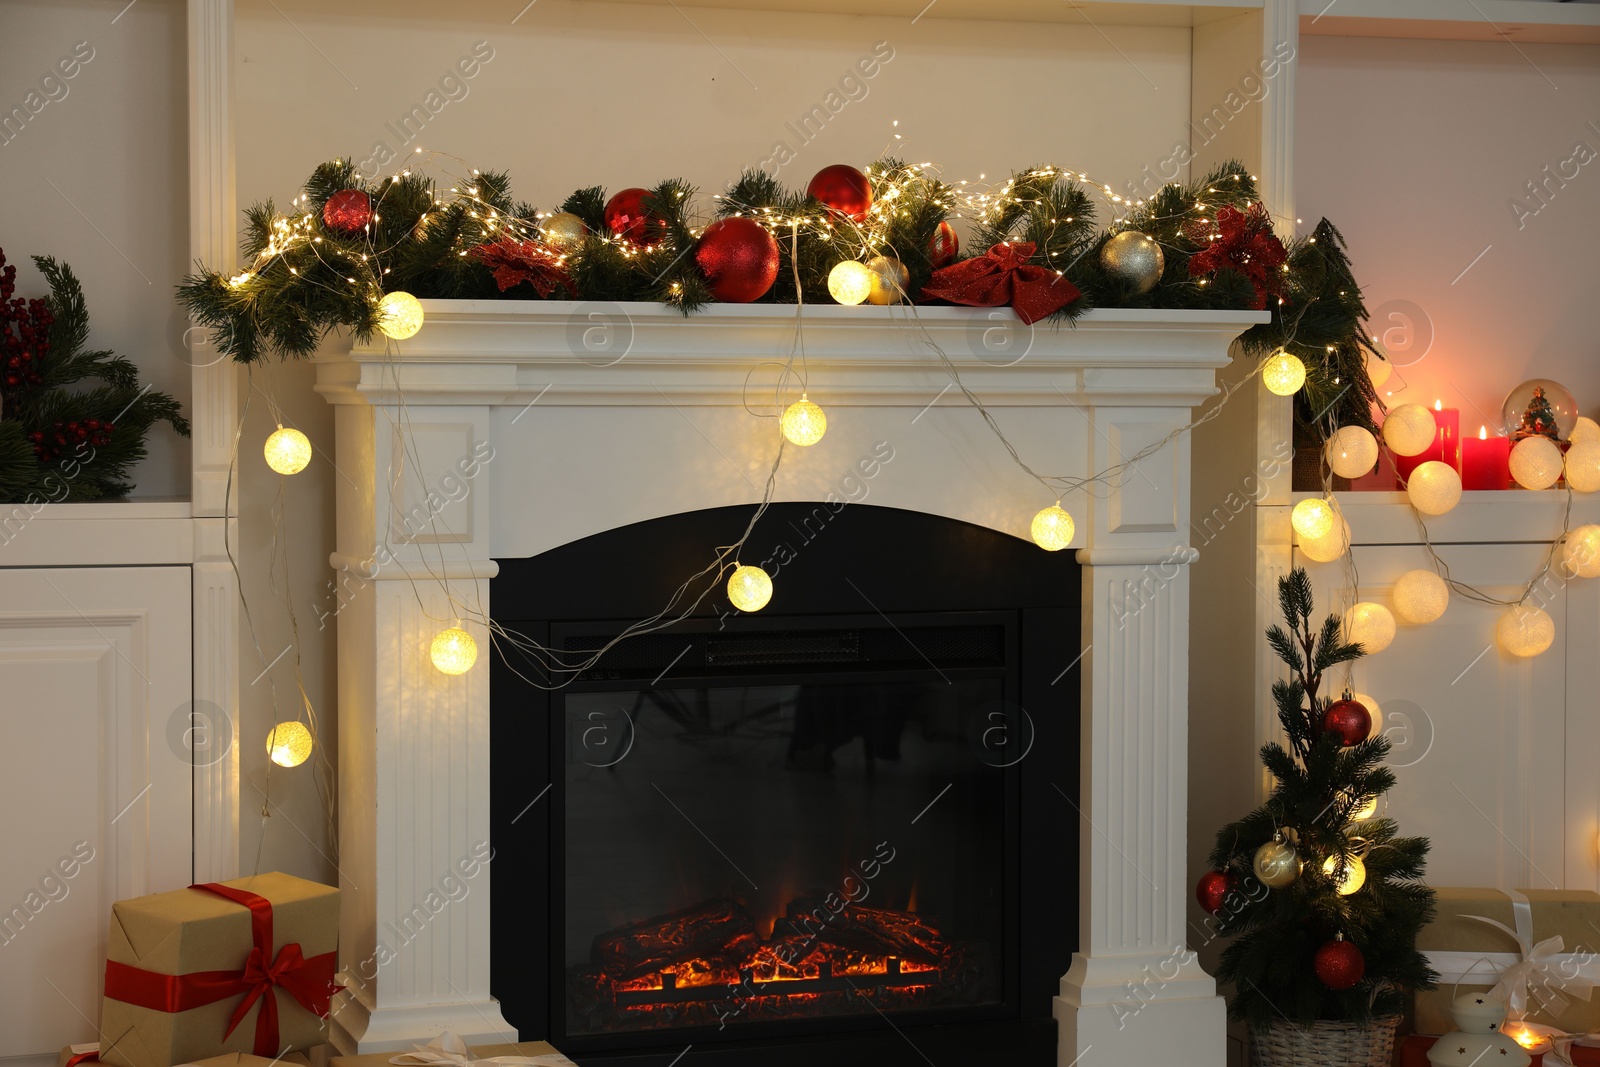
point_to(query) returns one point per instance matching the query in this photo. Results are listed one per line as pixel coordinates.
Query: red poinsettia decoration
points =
(1243, 241)
(515, 261)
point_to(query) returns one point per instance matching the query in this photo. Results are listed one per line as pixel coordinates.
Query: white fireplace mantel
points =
(504, 429)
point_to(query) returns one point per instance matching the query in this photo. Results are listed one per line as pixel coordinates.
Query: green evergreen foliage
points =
(1320, 785)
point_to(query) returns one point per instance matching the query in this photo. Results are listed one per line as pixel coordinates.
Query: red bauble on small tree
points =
(1348, 719)
(1213, 889)
(1339, 964)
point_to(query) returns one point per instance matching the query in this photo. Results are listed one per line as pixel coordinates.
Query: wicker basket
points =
(1325, 1044)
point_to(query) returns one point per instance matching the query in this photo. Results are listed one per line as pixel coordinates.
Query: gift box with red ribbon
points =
(87, 1055)
(240, 966)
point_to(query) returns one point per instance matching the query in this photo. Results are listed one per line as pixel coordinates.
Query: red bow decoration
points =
(308, 981)
(515, 262)
(1000, 276)
(1243, 241)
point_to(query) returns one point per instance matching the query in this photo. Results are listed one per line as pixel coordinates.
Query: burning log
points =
(715, 930)
(874, 931)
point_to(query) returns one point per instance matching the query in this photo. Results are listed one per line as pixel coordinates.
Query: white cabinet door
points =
(95, 780)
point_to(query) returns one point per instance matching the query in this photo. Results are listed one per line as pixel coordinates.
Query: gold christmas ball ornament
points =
(1352, 875)
(1283, 373)
(1535, 462)
(289, 744)
(1409, 429)
(1583, 466)
(401, 316)
(1580, 554)
(803, 423)
(1420, 596)
(1329, 547)
(1312, 518)
(850, 282)
(287, 450)
(1053, 528)
(1351, 451)
(889, 280)
(1585, 429)
(749, 588)
(564, 230)
(454, 651)
(1525, 630)
(1434, 487)
(1276, 864)
(1135, 259)
(1369, 625)
(1378, 369)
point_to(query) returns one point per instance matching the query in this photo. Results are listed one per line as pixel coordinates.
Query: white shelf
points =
(1530, 21)
(1504, 516)
(1079, 12)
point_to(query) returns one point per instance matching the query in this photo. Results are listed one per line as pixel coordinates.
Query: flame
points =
(911, 902)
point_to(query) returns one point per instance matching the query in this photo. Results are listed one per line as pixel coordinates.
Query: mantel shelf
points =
(1453, 20)
(1492, 517)
(1071, 12)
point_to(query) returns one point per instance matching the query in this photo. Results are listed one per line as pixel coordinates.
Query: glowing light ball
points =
(1535, 462)
(1363, 813)
(1283, 373)
(1053, 529)
(402, 316)
(1313, 518)
(1581, 552)
(1585, 429)
(1409, 429)
(1420, 596)
(1583, 467)
(287, 450)
(1434, 487)
(454, 651)
(1373, 709)
(850, 282)
(1369, 625)
(1525, 631)
(1330, 547)
(1351, 451)
(803, 422)
(1378, 370)
(749, 588)
(289, 744)
(1353, 875)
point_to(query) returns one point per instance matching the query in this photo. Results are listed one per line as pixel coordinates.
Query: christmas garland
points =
(885, 233)
(58, 442)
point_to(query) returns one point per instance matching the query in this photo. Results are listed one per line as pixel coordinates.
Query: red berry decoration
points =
(842, 188)
(1339, 965)
(1213, 890)
(1348, 718)
(626, 216)
(347, 211)
(943, 246)
(739, 259)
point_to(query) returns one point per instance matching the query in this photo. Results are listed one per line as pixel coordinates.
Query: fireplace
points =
(810, 830)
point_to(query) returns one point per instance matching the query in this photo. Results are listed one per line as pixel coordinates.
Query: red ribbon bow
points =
(308, 981)
(1000, 276)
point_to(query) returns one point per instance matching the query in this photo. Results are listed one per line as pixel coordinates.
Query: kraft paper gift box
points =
(448, 1050)
(89, 1054)
(240, 966)
(1472, 956)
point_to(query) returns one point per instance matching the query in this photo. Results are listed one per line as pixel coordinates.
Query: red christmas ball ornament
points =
(943, 246)
(1213, 889)
(627, 218)
(843, 188)
(1348, 718)
(347, 211)
(1339, 965)
(739, 259)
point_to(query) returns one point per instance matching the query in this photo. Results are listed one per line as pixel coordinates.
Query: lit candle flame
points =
(1483, 433)
(1438, 405)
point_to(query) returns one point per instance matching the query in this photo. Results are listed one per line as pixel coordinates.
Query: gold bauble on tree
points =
(1135, 259)
(564, 230)
(1351, 451)
(889, 280)
(1276, 863)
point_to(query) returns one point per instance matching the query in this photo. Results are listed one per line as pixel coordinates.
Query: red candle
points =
(1445, 447)
(1485, 461)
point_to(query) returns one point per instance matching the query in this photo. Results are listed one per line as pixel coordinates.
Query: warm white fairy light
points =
(400, 315)
(289, 744)
(1420, 596)
(1283, 373)
(1313, 518)
(749, 588)
(287, 450)
(453, 651)
(803, 423)
(1525, 630)
(1369, 625)
(1053, 528)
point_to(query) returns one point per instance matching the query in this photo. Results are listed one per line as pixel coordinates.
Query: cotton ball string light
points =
(1329, 547)
(289, 744)
(1420, 596)
(1352, 875)
(749, 588)
(287, 450)
(1581, 552)
(1409, 429)
(850, 282)
(1378, 367)
(1351, 451)
(1313, 517)
(1585, 429)
(1535, 462)
(1053, 528)
(1283, 373)
(401, 315)
(1583, 467)
(1369, 625)
(1367, 810)
(454, 651)
(1372, 709)
(1525, 631)
(1434, 487)
(803, 422)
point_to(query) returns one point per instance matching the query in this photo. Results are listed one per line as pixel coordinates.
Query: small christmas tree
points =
(1324, 901)
(1539, 420)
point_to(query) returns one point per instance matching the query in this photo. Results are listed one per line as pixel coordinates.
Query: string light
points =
(1053, 528)
(1581, 552)
(1434, 487)
(1583, 466)
(1283, 373)
(803, 423)
(1331, 546)
(1409, 429)
(1370, 626)
(749, 588)
(400, 315)
(287, 450)
(289, 744)
(1525, 631)
(1351, 451)
(1352, 876)
(1535, 462)
(1312, 518)
(1373, 709)
(453, 651)
(850, 282)
(1420, 596)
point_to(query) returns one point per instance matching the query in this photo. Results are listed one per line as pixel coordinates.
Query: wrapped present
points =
(88, 1054)
(1538, 949)
(448, 1050)
(240, 966)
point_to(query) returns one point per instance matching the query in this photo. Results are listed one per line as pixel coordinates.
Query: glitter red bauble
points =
(943, 246)
(1339, 965)
(1213, 889)
(1348, 718)
(739, 259)
(347, 211)
(626, 216)
(842, 188)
